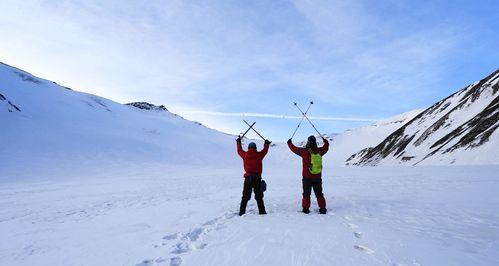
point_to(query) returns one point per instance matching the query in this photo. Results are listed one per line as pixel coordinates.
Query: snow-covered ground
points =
(156, 216)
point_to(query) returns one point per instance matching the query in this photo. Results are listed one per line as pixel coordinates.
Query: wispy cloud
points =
(262, 115)
(354, 58)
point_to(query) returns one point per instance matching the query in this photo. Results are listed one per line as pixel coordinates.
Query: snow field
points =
(377, 216)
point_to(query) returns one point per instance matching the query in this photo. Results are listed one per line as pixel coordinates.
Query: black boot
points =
(261, 207)
(306, 210)
(242, 208)
(323, 211)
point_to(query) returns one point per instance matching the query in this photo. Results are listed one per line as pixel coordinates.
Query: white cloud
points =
(222, 57)
(263, 115)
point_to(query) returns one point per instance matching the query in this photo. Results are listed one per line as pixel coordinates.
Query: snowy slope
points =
(53, 130)
(460, 129)
(351, 141)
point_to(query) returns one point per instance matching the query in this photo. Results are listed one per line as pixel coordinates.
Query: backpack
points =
(263, 186)
(315, 163)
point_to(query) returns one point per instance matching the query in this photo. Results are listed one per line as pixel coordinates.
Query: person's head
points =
(311, 142)
(252, 145)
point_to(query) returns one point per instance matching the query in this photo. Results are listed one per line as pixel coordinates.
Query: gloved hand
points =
(289, 140)
(267, 141)
(238, 140)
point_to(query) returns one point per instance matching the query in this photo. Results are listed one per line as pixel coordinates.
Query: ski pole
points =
(296, 129)
(250, 127)
(254, 130)
(304, 115)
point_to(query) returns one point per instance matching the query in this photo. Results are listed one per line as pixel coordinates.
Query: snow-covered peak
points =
(351, 141)
(459, 129)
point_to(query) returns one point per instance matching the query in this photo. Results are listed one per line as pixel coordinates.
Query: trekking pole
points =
(296, 129)
(304, 115)
(250, 127)
(254, 129)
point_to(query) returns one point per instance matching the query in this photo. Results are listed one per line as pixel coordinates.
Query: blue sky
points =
(357, 60)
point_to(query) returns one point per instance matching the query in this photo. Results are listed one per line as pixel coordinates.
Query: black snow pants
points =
(252, 183)
(316, 184)
(309, 183)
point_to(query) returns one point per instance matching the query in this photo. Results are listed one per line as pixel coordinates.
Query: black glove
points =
(238, 140)
(289, 140)
(267, 141)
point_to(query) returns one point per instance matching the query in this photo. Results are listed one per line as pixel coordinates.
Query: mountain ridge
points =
(475, 106)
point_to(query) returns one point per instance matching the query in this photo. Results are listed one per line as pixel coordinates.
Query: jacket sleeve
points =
(325, 147)
(293, 148)
(265, 150)
(240, 150)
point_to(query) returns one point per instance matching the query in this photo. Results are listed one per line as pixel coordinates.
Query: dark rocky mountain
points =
(148, 106)
(459, 129)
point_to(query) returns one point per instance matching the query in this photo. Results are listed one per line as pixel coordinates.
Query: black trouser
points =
(252, 183)
(309, 183)
(316, 184)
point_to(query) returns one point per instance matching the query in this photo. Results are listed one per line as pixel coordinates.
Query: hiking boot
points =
(261, 206)
(306, 210)
(242, 208)
(322, 211)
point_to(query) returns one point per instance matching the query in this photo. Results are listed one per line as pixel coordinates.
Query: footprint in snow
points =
(181, 247)
(175, 261)
(357, 234)
(194, 235)
(171, 237)
(187, 242)
(364, 249)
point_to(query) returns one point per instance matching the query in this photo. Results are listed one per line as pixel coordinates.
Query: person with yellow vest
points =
(312, 171)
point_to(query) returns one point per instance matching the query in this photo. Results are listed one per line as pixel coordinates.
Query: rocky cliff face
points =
(147, 106)
(458, 129)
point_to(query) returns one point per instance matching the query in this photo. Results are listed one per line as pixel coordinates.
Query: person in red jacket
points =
(253, 174)
(311, 180)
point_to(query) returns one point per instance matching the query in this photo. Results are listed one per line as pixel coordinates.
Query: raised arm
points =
(293, 148)
(323, 150)
(240, 150)
(266, 146)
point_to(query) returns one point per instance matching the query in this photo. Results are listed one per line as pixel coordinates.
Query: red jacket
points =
(252, 159)
(304, 153)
